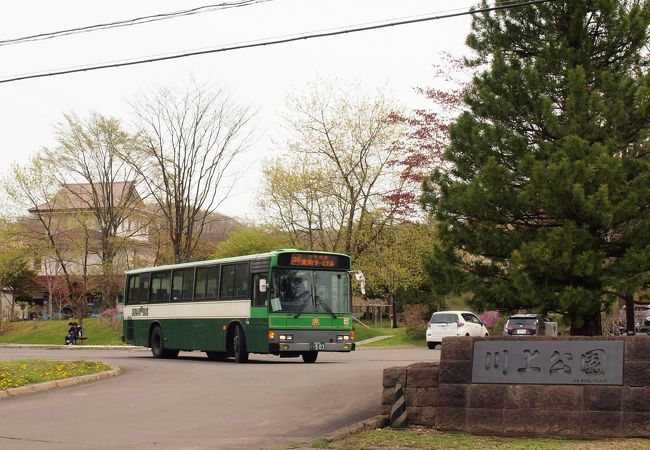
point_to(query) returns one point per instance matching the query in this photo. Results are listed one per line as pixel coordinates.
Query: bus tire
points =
(158, 345)
(239, 345)
(309, 357)
(216, 356)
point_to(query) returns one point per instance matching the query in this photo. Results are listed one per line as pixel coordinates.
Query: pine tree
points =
(543, 199)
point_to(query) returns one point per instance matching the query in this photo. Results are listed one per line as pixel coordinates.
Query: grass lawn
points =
(399, 339)
(19, 373)
(427, 438)
(103, 332)
(97, 330)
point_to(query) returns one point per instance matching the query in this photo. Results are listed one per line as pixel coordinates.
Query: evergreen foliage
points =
(543, 198)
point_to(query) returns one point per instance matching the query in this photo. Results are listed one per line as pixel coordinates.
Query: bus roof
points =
(209, 262)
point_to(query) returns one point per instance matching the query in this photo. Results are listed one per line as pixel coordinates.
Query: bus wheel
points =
(216, 356)
(309, 357)
(239, 345)
(158, 345)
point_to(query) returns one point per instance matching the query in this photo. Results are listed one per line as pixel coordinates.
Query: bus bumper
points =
(290, 341)
(300, 347)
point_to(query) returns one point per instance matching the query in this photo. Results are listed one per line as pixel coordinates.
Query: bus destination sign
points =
(315, 260)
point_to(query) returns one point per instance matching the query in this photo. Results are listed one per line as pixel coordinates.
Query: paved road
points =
(192, 403)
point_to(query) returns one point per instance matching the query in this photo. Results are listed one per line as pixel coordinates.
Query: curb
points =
(374, 339)
(76, 347)
(373, 423)
(57, 384)
(369, 424)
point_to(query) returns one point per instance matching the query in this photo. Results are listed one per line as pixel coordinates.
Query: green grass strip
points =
(428, 438)
(98, 330)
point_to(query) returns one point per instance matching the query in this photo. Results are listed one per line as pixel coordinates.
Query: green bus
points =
(286, 302)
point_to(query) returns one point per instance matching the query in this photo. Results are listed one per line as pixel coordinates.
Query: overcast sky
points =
(399, 58)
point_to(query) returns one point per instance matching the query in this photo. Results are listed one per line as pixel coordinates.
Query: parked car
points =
(529, 325)
(453, 323)
(644, 329)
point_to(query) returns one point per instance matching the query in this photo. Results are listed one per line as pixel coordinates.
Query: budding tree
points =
(335, 174)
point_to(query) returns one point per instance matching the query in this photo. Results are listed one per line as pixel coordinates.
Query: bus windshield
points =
(310, 291)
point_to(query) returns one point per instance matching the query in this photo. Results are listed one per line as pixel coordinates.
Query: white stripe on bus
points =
(189, 310)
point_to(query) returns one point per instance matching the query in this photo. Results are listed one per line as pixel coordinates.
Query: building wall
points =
(5, 307)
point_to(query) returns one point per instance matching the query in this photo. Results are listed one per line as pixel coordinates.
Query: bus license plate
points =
(316, 346)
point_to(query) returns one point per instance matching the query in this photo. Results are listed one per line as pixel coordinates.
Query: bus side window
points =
(160, 287)
(138, 289)
(241, 280)
(207, 283)
(212, 290)
(234, 281)
(200, 286)
(145, 281)
(182, 283)
(134, 281)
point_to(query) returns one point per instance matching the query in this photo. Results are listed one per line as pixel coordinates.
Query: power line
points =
(271, 41)
(131, 22)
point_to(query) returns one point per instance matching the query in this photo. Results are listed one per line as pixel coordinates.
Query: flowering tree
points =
(422, 149)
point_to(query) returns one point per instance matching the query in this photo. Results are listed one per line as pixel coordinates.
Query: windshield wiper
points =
(325, 306)
(295, 316)
(304, 305)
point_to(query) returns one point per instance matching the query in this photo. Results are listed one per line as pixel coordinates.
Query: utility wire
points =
(271, 41)
(144, 20)
(131, 22)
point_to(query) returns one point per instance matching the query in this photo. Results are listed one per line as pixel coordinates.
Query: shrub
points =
(489, 318)
(496, 329)
(415, 320)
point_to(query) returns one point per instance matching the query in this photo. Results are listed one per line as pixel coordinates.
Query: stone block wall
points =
(544, 409)
(419, 382)
(443, 396)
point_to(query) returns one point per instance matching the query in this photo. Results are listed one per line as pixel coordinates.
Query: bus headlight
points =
(286, 337)
(343, 337)
(271, 335)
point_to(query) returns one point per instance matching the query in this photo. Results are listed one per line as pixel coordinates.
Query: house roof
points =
(75, 196)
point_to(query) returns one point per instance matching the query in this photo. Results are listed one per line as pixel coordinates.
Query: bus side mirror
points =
(263, 285)
(361, 279)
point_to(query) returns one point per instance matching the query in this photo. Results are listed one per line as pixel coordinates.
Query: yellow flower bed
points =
(19, 373)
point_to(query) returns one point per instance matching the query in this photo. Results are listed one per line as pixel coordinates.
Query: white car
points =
(453, 323)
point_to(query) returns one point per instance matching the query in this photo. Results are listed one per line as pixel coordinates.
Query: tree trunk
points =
(393, 312)
(12, 311)
(591, 326)
(629, 315)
